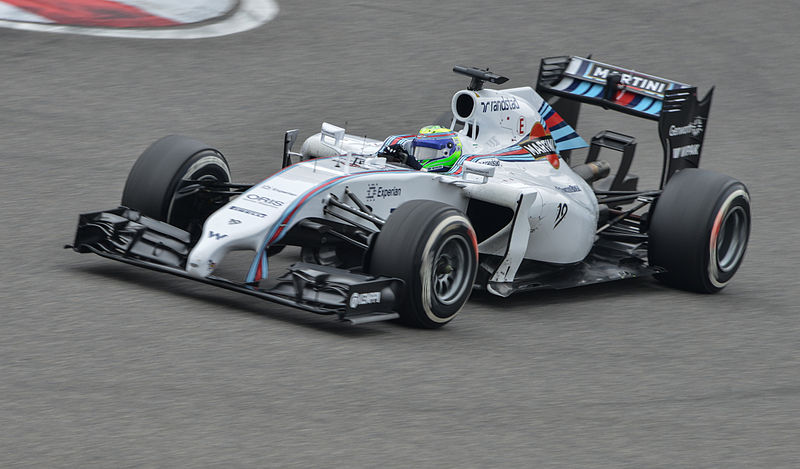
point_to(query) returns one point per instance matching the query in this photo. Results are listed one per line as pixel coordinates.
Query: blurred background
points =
(105, 365)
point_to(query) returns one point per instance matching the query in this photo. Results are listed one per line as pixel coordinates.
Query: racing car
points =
(487, 197)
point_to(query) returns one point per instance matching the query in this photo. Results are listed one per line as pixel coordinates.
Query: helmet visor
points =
(426, 153)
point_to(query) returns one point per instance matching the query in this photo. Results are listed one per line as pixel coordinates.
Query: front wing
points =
(127, 236)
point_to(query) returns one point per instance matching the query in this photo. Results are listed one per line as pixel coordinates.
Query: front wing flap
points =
(127, 236)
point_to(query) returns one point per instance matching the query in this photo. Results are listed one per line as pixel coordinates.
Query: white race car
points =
(405, 227)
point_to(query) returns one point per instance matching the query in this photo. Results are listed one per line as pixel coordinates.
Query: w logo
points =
(218, 236)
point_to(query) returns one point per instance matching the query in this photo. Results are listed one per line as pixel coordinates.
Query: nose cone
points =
(204, 257)
(200, 269)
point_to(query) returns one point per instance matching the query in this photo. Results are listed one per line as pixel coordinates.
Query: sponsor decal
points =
(264, 200)
(541, 145)
(376, 191)
(629, 79)
(248, 211)
(695, 128)
(569, 189)
(561, 212)
(502, 104)
(216, 236)
(490, 162)
(358, 299)
(686, 150)
(234, 221)
(275, 189)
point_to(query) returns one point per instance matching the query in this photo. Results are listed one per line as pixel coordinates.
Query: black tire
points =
(157, 174)
(432, 247)
(699, 230)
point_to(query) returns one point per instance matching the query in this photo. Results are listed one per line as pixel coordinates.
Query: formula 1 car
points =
(388, 231)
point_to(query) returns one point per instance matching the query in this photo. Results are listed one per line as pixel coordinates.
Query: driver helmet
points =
(436, 148)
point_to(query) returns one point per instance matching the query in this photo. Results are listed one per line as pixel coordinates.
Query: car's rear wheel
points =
(432, 247)
(156, 185)
(699, 230)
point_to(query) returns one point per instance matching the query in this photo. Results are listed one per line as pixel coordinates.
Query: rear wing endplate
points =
(682, 119)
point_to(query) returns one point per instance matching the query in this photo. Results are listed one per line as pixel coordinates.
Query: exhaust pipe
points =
(594, 171)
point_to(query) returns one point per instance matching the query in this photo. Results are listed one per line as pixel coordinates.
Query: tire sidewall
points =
(735, 196)
(450, 225)
(405, 249)
(203, 164)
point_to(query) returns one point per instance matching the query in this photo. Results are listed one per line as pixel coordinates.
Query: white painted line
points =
(249, 15)
(18, 14)
(183, 11)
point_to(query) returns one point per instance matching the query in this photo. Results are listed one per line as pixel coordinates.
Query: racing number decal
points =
(561, 212)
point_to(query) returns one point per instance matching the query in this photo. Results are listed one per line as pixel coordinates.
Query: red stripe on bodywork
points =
(300, 204)
(315, 191)
(401, 137)
(259, 273)
(518, 151)
(624, 98)
(553, 120)
(94, 13)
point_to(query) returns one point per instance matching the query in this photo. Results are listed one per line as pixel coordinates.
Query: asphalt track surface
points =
(105, 365)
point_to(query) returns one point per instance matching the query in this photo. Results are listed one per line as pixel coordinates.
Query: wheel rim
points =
(189, 213)
(451, 267)
(732, 239)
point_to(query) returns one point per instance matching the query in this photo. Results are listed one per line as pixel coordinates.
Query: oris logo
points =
(375, 191)
(260, 199)
(358, 299)
(695, 128)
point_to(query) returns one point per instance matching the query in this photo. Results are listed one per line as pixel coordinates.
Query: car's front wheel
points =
(156, 185)
(432, 247)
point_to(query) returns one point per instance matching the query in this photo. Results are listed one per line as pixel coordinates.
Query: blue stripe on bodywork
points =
(655, 109)
(560, 134)
(582, 88)
(582, 68)
(571, 87)
(595, 91)
(644, 104)
(305, 197)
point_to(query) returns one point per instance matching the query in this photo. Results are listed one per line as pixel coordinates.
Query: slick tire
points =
(699, 230)
(155, 180)
(432, 247)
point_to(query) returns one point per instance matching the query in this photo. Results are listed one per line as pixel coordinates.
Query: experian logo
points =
(358, 299)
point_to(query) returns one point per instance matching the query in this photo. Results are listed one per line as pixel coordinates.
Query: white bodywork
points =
(555, 210)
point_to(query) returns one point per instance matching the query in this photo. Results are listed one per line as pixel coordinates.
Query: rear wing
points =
(568, 81)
